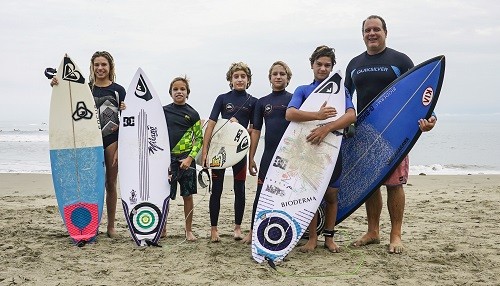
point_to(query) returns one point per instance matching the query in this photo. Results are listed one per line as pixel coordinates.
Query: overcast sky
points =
(202, 38)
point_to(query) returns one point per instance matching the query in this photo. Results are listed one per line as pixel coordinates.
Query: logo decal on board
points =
(280, 162)
(142, 90)
(81, 112)
(133, 197)
(219, 159)
(427, 96)
(328, 86)
(128, 121)
(70, 73)
(153, 135)
(243, 145)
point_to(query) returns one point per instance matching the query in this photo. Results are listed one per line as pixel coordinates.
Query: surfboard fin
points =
(271, 263)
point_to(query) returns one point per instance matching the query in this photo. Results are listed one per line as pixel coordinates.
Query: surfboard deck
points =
(143, 161)
(76, 153)
(386, 130)
(228, 146)
(297, 178)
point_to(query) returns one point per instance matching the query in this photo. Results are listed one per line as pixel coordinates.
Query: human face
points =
(101, 68)
(179, 92)
(322, 68)
(239, 80)
(374, 36)
(278, 78)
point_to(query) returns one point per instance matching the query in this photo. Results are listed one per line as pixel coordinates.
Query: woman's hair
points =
(285, 66)
(111, 63)
(240, 66)
(184, 79)
(323, 51)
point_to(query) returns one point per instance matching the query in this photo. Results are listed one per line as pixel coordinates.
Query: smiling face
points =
(278, 77)
(374, 36)
(322, 67)
(179, 92)
(239, 80)
(101, 69)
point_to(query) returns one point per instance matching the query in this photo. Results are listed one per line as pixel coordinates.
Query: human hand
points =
(186, 163)
(123, 106)
(233, 119)
(252, 167)
(427, 124)
(54, 81)
(317, 135)
(325, 112)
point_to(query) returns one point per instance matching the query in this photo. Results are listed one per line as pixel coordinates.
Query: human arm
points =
(318, 134)
(206, 141)
(254, 142)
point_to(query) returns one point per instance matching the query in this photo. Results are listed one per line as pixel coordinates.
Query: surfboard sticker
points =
(76, 153)
(386, 130)
(228, 146)
(144, 158)
(297, 178)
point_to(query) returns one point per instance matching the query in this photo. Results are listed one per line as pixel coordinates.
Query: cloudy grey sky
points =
(202, 38)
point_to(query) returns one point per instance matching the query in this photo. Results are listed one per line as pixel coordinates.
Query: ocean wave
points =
(453, 169)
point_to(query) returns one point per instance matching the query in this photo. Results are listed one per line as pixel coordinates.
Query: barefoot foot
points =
(237, 234)
(366, 239)
(248, 238)
(309, 246)
(214, 235)
(331, 245)
(190, 236)
(111, 233)
(396, 246)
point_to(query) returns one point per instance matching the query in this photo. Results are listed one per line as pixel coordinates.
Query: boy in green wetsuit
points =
(185, 135)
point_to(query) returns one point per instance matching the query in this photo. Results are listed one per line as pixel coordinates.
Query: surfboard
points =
(297, 178)
(143, 161)
(386, 131)
(228, 146)
(76, 153)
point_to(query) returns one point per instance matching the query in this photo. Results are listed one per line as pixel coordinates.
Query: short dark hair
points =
(323, 51)
(384, 26)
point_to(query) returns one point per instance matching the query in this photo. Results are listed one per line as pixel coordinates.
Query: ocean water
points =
(458, 145)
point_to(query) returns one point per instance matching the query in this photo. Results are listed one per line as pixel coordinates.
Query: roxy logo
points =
(427, 96)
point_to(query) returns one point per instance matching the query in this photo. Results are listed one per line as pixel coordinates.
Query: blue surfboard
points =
(386, 130)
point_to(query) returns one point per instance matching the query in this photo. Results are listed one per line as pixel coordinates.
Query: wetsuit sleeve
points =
(348, 100)
(257, 116)
(198, 139)
(298, 98)
(348, 79)
(216, 109)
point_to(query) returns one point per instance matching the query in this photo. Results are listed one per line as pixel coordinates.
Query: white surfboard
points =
(297, 178)
(143, 160)
(229, 144)
(76, 153)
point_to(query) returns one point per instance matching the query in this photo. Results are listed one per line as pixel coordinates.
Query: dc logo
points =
(128, 121)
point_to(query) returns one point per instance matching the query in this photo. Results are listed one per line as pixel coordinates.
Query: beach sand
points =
(450, 233)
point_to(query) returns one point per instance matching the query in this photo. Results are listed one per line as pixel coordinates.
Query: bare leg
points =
(312, 242)
(111, 193)
(330, 218)
(188, 214)
(396, 206)
(373, 210)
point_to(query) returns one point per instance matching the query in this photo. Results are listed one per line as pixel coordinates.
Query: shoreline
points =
(450, 234)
